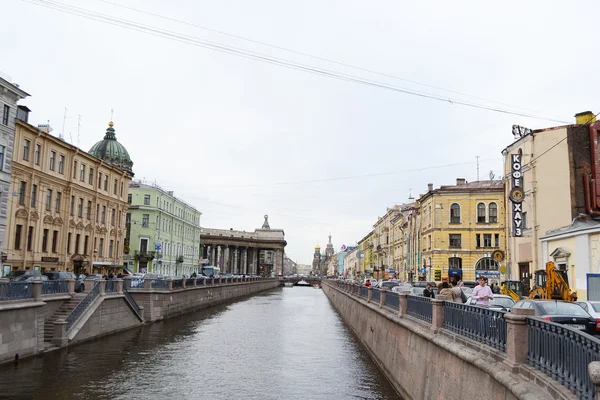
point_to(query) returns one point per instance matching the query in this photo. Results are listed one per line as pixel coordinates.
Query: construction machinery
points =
(552, 284)
(514, 289)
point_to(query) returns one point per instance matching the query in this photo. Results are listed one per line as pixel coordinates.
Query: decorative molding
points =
(48, 219)
(58, 221)
(21, 213)
(89, 227)
(72, 224)
(34, 215)
(80, 225)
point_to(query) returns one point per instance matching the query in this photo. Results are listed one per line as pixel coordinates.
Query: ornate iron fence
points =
(52, 287)
(133, 283)
(160, 283)
(419, 307)
(16, 290)
(189, 282)
(477, 323)
(177, 283)
(375, 295)
(563, 354)
(111, 286)
(364, 291)
(392, 300)
(82, 306)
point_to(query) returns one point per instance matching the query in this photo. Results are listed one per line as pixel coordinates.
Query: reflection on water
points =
(285, 344)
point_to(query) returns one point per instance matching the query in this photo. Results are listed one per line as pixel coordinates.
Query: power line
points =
(306, 54)
(131, 25)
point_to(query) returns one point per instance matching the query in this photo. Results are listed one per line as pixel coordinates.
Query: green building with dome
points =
(113, 152)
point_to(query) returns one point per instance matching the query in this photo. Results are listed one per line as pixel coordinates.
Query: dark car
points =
(22, 275)
(561, 312)
(63, 276)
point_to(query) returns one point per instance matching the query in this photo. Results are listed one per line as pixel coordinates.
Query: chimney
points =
(460, 181)
(429, 187)
(584, 118)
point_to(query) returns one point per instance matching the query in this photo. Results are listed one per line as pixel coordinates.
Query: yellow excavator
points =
(552, 284)
(514, 289)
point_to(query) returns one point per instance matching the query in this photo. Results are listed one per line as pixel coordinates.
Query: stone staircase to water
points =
(62, 313)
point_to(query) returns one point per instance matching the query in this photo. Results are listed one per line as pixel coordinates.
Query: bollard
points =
(194, 282)
(60, 333)
(36, 290)
(437, 314)
(594, 372)
(89, 284)
(147, 283)
(369, 294)
(382, 297)
(71, 286)
(119, 286)
(170, 284)
(403, 304)
(212, 280)
(102, 287)
(183, 283)
(517, 337)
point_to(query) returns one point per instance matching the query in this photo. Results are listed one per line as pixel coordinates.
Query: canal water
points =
(287, 343)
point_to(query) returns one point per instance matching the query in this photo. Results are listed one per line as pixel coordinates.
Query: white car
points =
(592, 307)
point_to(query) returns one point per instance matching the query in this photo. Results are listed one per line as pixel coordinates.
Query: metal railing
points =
(53, 287)
(364, 291)
(160, 283)
(132, 302)
(133, 283)
(481, 324)
(375, 295)
(392, 300)
(16, 290)
(111, 286)
(82, 306)
(177, 283)
(189, 282)
(563, 354)
(419, 307)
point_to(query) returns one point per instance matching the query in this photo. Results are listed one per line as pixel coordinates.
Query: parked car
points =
(402, 287)
(592, 308)
(561, 312)
(500, 302)
(418, 290)
(389, 285)
(63, 275)
(22, 274)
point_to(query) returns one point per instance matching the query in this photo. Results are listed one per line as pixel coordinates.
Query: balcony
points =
(143, 256)
(179, 259)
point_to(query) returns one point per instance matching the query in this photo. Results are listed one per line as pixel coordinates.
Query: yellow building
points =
(366, 262)
(461, 226)
(68, 209)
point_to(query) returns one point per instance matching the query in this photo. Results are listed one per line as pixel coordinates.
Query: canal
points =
(288, 343)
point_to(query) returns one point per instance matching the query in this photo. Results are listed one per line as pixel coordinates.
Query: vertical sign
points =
(516, 194)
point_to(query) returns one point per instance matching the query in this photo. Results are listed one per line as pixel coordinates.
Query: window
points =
(74, 169)
(110, 248)
(128, 219)
(86, 241)
(2, 156)
(101, 247)
(478, 239)
(99, 179)
(30, 239)
(145, 220)
(143, 246)
(72, 206)
(33, 195)
(54, 241)
(61, 164)
(22, 189)
(455, 214)
(105, 182)
(455, 240)
(121, 189)
(493, 213)
(69, 243)
(80, 208)
(487, 240)
(82, 173)
(103, 220)
(112, 216)
(77, 237)
(45, 241)
(5, 114)
(455, 263)
(129, 198)
(486, 263)
(52, 159)
(496, 240)
(147, 199)
(524, 223)
(116, 185)
(26, 144)
(49, 200)
(481, 213)
(18, 234)
(88, 210)
(91, 178)
(57, 207)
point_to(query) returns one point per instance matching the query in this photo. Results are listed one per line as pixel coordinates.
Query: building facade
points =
(163, 232)
(68, 207)
(366, 257)
(382, 242)
(10, 94)
(552, 177)
(461, 226)
(320, 262)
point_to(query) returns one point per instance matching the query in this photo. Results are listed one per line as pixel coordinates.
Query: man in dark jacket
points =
(427, 292)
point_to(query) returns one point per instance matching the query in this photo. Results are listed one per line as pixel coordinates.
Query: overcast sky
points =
(240, 138)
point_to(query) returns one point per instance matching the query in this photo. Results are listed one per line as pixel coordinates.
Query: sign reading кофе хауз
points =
(516, 194)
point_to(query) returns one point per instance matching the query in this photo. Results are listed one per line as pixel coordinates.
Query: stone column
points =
(369, 294)
(594, 372)
(71, 286)
(245, 261)
(102, 287)
(60, 333)
(219, 258)
(236, 260)
(517, 337)
(403, 304)
(382, 297)
(226, 254)
(119, 286)
(437, 314)
(89, 284)
(37, 290)
(147, 283)
(278, 267)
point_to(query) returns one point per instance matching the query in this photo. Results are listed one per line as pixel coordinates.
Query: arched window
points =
(455, 263)
(493, 213)
(455, 214)
(481, 213)
(487, 263)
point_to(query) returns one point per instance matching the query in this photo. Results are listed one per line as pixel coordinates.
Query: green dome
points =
(112, 152)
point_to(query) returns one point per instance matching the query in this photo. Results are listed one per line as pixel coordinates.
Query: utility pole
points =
(477, 157)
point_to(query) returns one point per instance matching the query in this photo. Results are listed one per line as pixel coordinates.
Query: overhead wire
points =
(187, 39)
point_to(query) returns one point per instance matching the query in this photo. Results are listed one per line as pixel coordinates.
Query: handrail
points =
(82, 306)
(132, 303)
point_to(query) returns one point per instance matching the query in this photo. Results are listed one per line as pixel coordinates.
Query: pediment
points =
(21, 213)
(559, 252)
(98, 230)
(48, 219)
(80, 225)
(58, 221)
(103, 230)
(72, 224)
(34, 215)
(113, 232)
(89, 228)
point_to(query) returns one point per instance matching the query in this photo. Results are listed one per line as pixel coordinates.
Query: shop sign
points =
(516, 194)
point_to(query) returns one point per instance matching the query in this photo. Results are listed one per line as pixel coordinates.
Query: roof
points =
(113, 152)
(581, 223)
(476, 186)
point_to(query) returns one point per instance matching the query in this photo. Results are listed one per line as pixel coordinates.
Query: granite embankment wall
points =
(423, 364)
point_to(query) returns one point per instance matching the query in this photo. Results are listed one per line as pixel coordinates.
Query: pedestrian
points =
(482, 293)
(459, 295)
(446, 291)
(427, 292)
(367, 283)
(460, 283)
